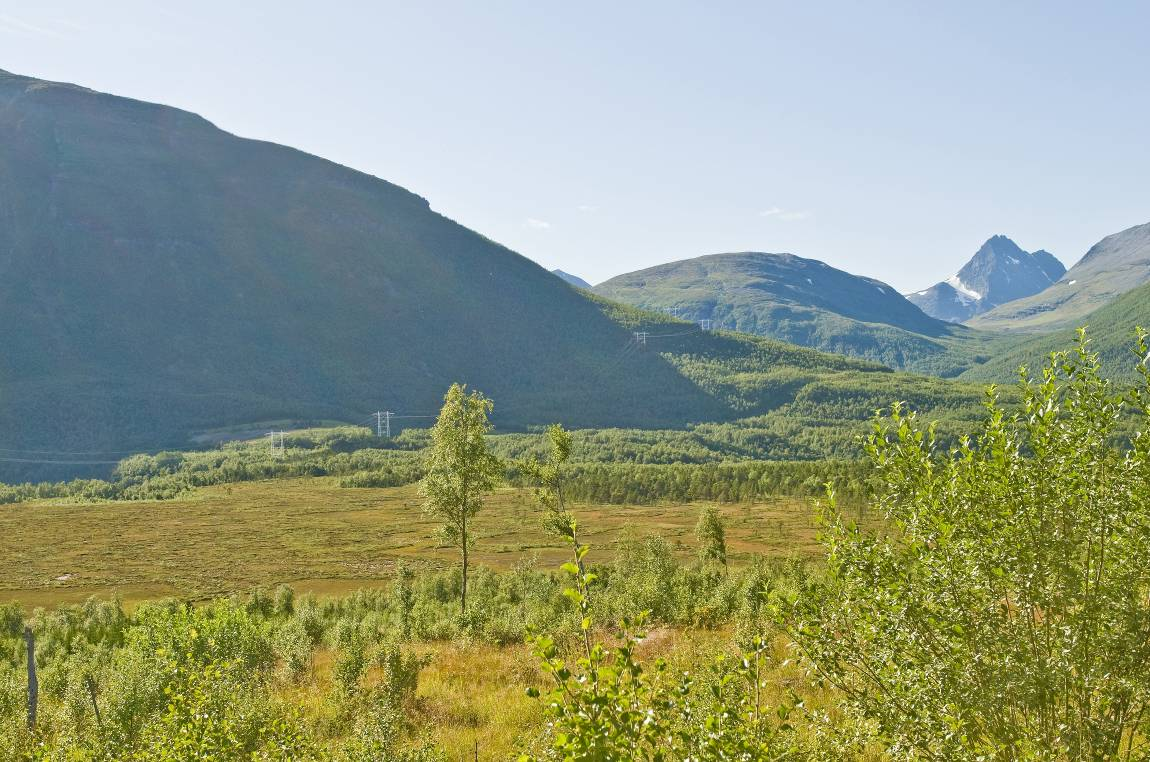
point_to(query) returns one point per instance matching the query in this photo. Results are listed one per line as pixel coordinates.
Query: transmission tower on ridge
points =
(641, 338)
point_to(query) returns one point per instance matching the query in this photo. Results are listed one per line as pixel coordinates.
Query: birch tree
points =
(461, 471)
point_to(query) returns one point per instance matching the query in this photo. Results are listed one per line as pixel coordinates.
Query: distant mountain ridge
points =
(574, 280)
(794, 299)
(1116, 264)
(700, 284)
(162, 279)
(999, 272)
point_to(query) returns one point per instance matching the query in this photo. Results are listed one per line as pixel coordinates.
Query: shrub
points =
(1005, 615)
(293, 647)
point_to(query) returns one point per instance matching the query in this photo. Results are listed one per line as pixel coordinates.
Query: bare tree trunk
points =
(33, 683)
(90, 682)
(463, 600)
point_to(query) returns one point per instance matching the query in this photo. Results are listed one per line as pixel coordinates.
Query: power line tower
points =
(276, 443)
(706, 324)
(641, 338)
(383, 423)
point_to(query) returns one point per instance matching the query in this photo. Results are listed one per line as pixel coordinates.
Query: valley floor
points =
(330, 540)
(322, 538)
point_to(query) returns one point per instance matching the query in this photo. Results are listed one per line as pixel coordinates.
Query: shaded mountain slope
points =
(159, 276)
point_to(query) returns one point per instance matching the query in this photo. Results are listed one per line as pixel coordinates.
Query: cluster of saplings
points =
(1001, 613)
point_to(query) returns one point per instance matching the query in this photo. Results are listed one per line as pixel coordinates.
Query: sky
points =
(887, 139)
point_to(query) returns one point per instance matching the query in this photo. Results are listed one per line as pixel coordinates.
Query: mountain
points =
(999, 272)
(1110, 329)
(798, 300)
(1113, 266)
(160, 277)
(574, 280)
(163, 282)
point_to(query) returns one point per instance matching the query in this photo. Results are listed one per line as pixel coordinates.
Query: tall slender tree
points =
(549, 476)
(712, 537)
(461, 470)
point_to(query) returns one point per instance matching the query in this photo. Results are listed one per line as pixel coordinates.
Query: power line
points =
(61, 462)
(69, 452)
(693, 329)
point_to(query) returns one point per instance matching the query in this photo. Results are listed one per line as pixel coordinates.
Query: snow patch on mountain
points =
(965, 294)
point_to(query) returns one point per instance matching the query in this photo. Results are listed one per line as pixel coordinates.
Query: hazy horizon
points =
(892, 146)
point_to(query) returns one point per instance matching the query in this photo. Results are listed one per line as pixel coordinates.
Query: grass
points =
(474, 696)
(330, 540)
(321, 538)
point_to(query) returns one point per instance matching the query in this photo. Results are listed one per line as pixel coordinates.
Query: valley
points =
(295, 465)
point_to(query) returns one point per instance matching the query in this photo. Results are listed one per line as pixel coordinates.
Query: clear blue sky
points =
(889, 139)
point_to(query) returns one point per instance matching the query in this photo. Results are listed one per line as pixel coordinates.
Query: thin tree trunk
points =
(90, 682)
(33, 683)
(463, 599)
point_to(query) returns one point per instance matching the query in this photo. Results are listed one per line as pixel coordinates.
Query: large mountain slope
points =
(799, 300)
(1113, 266)
(159, 276)
(1110, 329)
(999, 272)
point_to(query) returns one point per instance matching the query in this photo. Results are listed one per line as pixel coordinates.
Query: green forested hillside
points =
(1111, 332)
(778, 402)
(805, 302)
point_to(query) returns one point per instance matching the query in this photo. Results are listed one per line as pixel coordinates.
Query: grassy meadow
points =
(320, 537)
(328, 540)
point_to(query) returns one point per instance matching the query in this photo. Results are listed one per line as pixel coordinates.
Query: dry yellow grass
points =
(475, 696)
